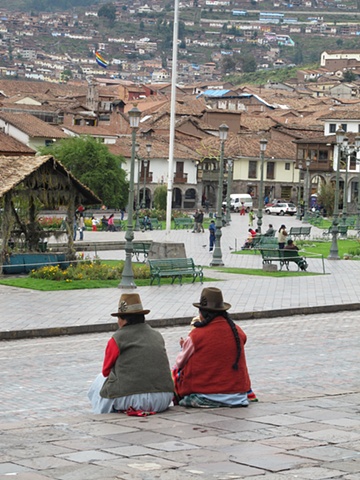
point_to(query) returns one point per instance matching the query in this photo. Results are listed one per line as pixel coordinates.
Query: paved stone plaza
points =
(304, 370)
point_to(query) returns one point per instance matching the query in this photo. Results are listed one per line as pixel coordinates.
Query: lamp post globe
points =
(217, 255)
(127, 277)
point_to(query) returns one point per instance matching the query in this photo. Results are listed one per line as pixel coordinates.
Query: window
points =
(352, 161)
(332, 128)
(344, 126)
(323, 156)
(287, 166)
(270, 170)
(252, 169)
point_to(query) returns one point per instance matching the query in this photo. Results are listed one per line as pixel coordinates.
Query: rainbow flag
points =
(101, 60)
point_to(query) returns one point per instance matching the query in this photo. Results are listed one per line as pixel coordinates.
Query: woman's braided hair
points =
(209, 317)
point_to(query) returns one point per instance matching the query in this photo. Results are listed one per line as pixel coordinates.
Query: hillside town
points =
(136, 39)
(299, 121)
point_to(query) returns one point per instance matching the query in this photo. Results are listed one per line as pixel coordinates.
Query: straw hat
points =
(212, 300)
(129, 304)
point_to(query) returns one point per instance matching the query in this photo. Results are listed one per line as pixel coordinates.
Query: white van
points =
(236, 199)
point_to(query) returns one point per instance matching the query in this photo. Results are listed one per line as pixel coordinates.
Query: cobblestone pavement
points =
(39, 310)
(304, 369)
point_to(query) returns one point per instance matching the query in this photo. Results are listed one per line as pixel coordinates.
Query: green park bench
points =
(141, 248)
(300, 232)
(183, 222)
(174, 268)
(264, 242)
(343, 229)
(283, 257)
(156, 224)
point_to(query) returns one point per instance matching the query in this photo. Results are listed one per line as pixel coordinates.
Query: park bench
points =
(141, 248)
(343, 229)
(300, 232)
(174, 268)
(183, 222)
(156, 225)
(118, 224)
(283, 257)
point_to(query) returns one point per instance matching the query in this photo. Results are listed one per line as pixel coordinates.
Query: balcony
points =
(149, 178)
(180, 177)
(210, 175)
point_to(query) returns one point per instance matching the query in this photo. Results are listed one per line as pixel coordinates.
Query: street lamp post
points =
(127, 277)
(347, 151)
(298, 210)
(146, 163)
(217, 255)
(307, 192)
(230, 164)
(357, 148)
(334, 250)
(263, 144)
(137, 224)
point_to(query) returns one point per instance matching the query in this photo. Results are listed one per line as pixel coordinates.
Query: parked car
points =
(282, 209)
(275, 202)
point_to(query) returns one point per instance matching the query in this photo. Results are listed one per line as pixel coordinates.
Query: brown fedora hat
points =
(212, 300)
(129, 304)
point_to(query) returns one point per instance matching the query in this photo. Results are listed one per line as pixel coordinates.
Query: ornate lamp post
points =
(230, 164)
(146, 164)
(357, 148)
(217, 255)
(298, 210)
(334, 250)
(348, 150)
(137, 224)
(307, 192)
(263, 144)
(127, 277)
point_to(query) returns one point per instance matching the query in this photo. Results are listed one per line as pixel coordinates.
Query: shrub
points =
(88, 270)
(50, 223)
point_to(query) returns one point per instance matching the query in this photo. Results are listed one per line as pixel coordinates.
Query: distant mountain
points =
(45, 5)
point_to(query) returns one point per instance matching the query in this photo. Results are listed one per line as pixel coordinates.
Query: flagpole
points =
(172, 118)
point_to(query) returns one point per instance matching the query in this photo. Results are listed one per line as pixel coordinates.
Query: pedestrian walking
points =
(200, 221)
(81, 226)
(212, 230)
(251, 218)
(282, 234)
(242, 209)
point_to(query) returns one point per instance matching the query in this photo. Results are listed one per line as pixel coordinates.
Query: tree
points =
(248, 63)
(92, 164)
(228, 64)
(349, 76)
(108, 11)
(326, 198)
(160, 195)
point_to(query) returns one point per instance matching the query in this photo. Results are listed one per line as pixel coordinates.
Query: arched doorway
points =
(147, 198)
(177, 198)
(190, 198)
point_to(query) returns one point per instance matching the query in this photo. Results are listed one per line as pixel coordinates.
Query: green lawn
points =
(52, 285)
(319, 247)
(261, 273)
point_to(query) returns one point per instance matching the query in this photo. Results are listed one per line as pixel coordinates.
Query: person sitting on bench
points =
(300, 261)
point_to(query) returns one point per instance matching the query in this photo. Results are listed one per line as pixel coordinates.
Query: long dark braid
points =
(209, 316)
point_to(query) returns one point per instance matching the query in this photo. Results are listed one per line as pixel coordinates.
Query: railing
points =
(149, 178)
(180, 177)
